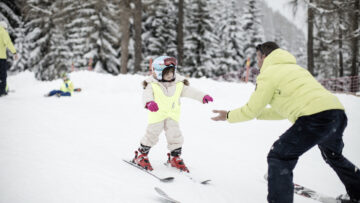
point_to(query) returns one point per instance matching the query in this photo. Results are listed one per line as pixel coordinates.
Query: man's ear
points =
(263, 56)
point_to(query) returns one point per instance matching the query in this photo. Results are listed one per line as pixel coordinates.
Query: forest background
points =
(210, 38)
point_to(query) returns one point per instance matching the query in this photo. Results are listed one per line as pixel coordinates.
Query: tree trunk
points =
(341, 60)
(355, 48)
(180, 33)
(137, 27)
(125, 26)
(355, 40)
(310, 42)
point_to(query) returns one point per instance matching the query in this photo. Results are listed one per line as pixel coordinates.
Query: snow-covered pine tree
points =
(22, 50)
(11, 14)
(78, 28)
(104, 38)
(50, 54)
(280, 40)
(229, 30)
(200, 40)
(147, 31)
(325, 55)
(160, 37)
(253, 30)
(332, 44)
(300, 52)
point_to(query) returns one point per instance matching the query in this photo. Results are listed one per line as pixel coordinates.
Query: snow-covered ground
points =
(62, 150)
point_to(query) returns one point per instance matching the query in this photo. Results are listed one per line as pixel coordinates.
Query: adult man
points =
(5, 42)
(318, 117)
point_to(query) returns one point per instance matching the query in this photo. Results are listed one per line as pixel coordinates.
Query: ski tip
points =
(205, 182)
(128, 161)
(164, 195)
(159, 190)
(167, 180)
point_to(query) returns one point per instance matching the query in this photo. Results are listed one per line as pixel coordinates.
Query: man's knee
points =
(278, 159)
(277, 151)
(328, 154)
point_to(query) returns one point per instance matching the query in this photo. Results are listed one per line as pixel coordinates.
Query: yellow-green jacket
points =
(290, 90)
(67, 86)
(169, 107)
(5, 42)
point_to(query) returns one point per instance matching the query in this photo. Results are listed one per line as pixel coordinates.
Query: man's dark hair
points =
(266, 48)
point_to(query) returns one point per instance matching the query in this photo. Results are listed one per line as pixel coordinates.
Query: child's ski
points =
(77, 89)
(168, 179)
(312, 194)
(188, 175)
(165, 196)
(309, 193)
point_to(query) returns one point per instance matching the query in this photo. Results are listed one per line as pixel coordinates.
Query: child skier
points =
(66, 89)
(161, 96)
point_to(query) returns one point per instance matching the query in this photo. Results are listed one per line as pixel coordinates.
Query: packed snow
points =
(71, 149)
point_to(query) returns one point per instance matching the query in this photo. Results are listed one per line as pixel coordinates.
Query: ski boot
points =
(175, 161)
(142, 160)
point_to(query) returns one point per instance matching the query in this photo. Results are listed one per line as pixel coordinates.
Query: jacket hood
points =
(278, 56)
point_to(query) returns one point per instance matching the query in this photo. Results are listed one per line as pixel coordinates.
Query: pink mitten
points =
(152, 106)
(207, 99)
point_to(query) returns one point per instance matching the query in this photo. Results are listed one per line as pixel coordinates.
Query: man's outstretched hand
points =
(221, 115)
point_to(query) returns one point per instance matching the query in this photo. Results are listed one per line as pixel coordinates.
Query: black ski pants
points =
(3, 75)
(324, 129)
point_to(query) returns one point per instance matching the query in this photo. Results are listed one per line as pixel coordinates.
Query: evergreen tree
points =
(161, 38)
(332, 44)
(79, 27)
(11, 14)
(22, 50)
(105, 35)
(300, 52)
(50, 54)
(229, 29)
(200, 39)
(279, 40)
(253, 30)
(147, 18)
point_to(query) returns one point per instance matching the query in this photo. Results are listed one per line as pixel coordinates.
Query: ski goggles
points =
(170, 61)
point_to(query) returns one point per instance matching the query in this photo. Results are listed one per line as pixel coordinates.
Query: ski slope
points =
(70, 150)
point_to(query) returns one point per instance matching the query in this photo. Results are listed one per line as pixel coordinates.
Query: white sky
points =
(285, 9)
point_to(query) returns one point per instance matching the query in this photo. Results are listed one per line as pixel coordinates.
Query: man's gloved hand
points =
(207, 99)
(152, 106)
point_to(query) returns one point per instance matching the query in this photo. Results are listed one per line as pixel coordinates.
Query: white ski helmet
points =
(162, 62)
(65, 75)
